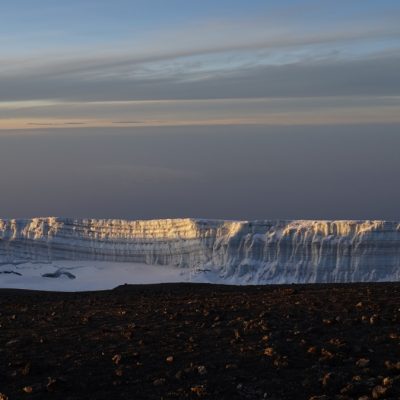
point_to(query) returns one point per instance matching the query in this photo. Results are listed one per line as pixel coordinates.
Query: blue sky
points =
(75, 23)
(54, 25)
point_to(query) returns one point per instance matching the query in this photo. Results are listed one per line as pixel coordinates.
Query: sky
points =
(117, 109)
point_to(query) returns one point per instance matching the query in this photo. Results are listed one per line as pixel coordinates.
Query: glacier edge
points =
(263, 251)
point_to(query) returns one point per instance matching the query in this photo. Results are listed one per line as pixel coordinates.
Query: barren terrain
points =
(177, 341)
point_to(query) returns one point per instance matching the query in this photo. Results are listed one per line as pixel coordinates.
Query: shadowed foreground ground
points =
(176, 341)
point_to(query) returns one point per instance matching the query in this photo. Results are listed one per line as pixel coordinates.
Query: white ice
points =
(112, 252)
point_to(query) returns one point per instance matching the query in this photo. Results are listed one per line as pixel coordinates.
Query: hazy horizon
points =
(233, 172)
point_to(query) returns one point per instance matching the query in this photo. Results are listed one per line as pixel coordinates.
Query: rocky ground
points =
(178, 341)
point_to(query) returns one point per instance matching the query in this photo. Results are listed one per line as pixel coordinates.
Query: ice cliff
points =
(241, 251)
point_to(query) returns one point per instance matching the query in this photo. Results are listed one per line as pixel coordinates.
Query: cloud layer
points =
(282, 54)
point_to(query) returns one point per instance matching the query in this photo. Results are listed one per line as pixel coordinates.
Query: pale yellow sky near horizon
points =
(289, 111)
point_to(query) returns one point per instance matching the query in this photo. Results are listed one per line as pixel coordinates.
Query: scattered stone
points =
(337, 342)
(169, 359)
(379, 391)
(269, 351)
(26, 369)
(348, 389)
(51, 384)
(327, 379)
(312, 350)
(202, 370)
(27, 389)
(374, 319)
(387, 381)
(281, 362)
(363, 362)
(159, 382)
(11, 342)
(199, 390)
(128, 334)
(392, 366)
(117, 359)
(12, 273)
(326, 355)
(58, 274)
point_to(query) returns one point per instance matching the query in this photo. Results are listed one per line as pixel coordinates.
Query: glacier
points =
(239, 252)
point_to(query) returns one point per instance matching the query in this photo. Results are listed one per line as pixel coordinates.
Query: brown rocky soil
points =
(185, 341)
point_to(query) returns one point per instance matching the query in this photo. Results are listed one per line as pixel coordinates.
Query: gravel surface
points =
(178, 341)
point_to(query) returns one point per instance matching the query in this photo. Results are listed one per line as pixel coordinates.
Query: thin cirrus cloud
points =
(215, 38)
(367, 76)
(350, 91)
(220, 59)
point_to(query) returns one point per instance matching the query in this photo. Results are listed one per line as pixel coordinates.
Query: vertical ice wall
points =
(247, 251)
